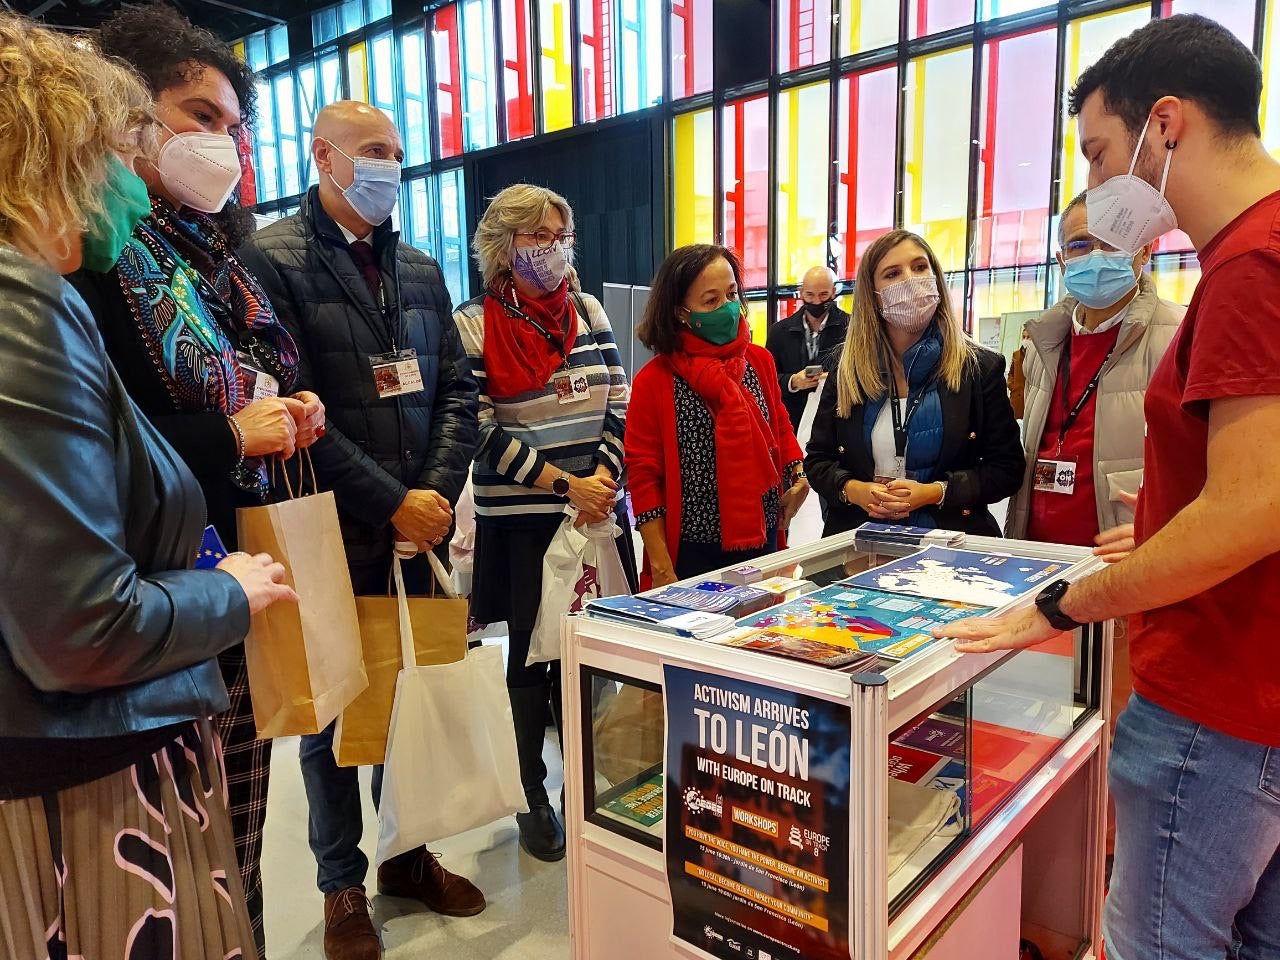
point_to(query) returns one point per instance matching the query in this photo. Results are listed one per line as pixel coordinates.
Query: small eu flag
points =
(212, 550)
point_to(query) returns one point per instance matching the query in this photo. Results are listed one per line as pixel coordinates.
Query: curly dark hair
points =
(1186, 56)
(166, 49)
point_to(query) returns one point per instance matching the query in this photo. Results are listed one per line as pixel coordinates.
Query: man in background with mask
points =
(803, 341)
(1088, 361)
(376, 339)
(1168, 121)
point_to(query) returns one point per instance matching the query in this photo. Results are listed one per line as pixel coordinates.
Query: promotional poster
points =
(757, 819)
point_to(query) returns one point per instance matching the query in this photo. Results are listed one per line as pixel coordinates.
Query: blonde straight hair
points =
(865, 361)
(520, 207)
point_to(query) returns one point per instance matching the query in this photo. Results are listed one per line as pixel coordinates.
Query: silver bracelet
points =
(943, 485)
(235, 428)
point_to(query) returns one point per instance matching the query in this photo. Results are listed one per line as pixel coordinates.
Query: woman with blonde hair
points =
(114, 826)
(919, 428)
(553, 404)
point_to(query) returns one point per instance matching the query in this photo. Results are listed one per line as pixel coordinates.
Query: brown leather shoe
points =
(423, 879)
(348, 930)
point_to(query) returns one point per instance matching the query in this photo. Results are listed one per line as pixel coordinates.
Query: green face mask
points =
(124, 203)
(718, 326)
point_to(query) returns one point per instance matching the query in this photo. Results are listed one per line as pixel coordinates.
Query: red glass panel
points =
(745, 174)
(445, 42)
(866, 170)
(1015, 153)
(596, 20)
(517, 66)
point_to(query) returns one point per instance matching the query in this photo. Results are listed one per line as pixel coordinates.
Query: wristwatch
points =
(1047, 601)
(560, 485)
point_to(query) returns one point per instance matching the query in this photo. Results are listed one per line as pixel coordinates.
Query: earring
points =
(1171, 144)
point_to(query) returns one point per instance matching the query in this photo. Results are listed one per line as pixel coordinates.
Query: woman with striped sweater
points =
(553, 402)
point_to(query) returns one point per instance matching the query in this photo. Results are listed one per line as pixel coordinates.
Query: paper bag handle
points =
(304, 456)
(442, 577)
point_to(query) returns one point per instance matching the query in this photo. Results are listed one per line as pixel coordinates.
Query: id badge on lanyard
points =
(901, 423)
(571, 386)
(396, 373)
(258, 384)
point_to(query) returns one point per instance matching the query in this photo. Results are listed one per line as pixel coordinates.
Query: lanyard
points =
(1071, 414)
(564, 347)
(900, 423)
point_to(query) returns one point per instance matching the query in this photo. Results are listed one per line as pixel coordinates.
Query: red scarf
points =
(517, 357)
(746, 451)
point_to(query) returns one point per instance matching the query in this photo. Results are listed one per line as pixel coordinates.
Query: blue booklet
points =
(965, 576)
(711, 596)
(212, 550)
(908, 536)
(638, 612)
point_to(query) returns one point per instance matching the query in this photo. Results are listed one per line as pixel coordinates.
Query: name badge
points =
(898, 471)
(397, 373)
(1055, 476)
(258, 384)
(571, 386)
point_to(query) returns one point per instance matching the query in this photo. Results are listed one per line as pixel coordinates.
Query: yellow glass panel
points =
(936, 160)
(867, 25)
(803, 170)
(1087, 40)
(1176, 281)
(758, 320)
(1271, 77)
(693, 179)
(358, 72)
(238, 49)
(998, 292)
(557, 66)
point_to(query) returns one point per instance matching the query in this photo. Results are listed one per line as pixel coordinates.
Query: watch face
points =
(560, 486)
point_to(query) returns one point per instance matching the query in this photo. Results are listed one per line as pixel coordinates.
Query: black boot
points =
(541, 835)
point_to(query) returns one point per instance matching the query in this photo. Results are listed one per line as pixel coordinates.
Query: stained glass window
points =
(804, 33)
(865, 170)
(802, 152)
(690, 47)
(693, 215)
(745, 175)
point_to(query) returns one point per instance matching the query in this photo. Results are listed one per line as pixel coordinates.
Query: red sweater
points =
(653, 459)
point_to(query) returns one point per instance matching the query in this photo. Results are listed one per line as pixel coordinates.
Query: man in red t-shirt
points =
(1195, 769)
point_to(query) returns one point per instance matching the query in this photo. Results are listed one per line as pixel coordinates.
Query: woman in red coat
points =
(715, 472)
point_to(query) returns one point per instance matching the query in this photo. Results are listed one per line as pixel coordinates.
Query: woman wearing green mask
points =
(714, 466)
(116, 836)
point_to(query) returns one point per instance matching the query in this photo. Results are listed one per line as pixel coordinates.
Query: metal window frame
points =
(901, 54)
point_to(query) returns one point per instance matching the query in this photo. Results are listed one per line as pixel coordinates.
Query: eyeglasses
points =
(543, 239)
(1083, 247)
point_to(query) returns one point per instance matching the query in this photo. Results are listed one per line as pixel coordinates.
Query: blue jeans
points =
(1197, 842)
(335, 821)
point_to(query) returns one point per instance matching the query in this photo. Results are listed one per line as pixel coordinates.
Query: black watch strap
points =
(1048, 602)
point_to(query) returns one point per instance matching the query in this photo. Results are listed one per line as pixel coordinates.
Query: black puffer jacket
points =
(374, 449)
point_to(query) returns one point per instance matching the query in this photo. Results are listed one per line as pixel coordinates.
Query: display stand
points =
(1021, 856)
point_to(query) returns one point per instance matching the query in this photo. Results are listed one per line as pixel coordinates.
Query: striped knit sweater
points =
(521, 434)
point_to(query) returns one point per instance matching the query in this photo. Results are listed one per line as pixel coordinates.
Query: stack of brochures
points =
(640, 612)
(712, 596)
(871, 534)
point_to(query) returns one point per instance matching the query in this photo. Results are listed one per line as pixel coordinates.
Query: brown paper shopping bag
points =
(305, 662)
(439, 636)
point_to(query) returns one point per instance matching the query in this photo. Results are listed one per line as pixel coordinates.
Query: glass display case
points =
(950, 760)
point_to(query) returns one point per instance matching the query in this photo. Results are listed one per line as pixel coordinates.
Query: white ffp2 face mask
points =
(375, 189)
(200, 170)
(1126, 211)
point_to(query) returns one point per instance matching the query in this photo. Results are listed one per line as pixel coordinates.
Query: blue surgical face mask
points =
(1101, 278)
(374, 191)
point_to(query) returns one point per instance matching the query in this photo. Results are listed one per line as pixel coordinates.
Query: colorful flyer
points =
(756, 819)
(870, 621)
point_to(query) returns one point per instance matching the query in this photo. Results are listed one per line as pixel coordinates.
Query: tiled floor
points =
(527, 918)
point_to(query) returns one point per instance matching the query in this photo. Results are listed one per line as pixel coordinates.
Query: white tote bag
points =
(580, 565)
(451, 755)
